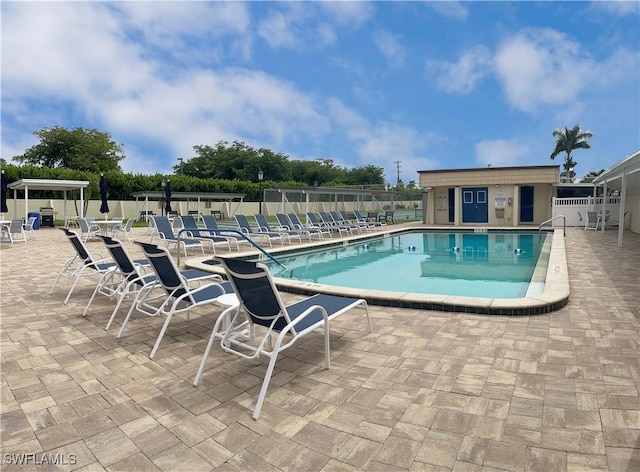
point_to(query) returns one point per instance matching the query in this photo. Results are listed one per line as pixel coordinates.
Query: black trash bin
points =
(36, 222)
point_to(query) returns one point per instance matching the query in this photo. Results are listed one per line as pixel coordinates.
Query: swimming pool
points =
(496, 265)
(549, 288)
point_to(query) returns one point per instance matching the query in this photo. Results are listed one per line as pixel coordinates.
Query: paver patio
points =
(425, 391)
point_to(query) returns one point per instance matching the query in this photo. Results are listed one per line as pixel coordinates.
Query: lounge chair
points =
(245, 227)
(190, 224)
(314, 229)
(119, 283)
(285, 223)
(211, 223)
(263, 225)
(261, 305)
(342, 219)
(82, 264)
(164, 231)
(132, 277)
(333, 224)
(371, 223)
(178, 293)
(325, 224)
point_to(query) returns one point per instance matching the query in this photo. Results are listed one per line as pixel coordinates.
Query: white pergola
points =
(625, 178)
(46, 184)
(195, 197)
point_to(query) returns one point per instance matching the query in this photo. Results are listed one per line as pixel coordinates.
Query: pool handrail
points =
(229, 230)
(564, 223)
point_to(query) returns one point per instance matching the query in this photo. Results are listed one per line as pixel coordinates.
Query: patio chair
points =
(124, 230)
(132, 277)
(245, 227)
(211, 223)
(29, 227)
(373, 216)
(341, 220)
(387, 217)
(371, 223)
(15, 231)
(82, 264)
(263, 225)
(179, 295)
(333, 224)
(615, 222)
(593, 220)
(117, 283)
(189, 223)
(297, 224)
(261, 307)
(164, 231)
(285, 223)
(88, 228)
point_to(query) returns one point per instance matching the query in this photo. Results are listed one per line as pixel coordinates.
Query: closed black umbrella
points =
(104, 207)
(167, 197)
(3, 199)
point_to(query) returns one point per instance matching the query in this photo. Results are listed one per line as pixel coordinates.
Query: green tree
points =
(566, 141)
(79, 149)
(590, 177)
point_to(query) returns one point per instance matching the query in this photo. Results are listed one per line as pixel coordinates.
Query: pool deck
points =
(426, 390)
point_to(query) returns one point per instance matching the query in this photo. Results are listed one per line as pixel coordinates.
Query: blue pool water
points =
(489, 265)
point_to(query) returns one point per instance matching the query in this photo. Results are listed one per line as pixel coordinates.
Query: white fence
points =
(575, 209)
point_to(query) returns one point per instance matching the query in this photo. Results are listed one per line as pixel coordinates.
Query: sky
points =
(407, 86)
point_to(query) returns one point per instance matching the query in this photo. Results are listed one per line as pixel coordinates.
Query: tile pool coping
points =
(554, 295)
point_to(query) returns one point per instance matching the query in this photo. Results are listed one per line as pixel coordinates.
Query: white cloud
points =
(618, 8)
(449, 9)
(383, 143)
(300, 25)
(542, 66)
(500, 152)
(279, 31)
(351, 14)
(461, 76)
(390, 47)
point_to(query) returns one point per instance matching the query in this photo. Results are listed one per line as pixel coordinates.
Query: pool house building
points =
(493, 196)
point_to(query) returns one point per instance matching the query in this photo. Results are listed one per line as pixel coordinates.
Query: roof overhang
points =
(334, 191)
(629, 167)
(48, 184)
(190, 195)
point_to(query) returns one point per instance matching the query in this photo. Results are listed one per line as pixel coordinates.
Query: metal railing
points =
(228, 230)
(564, 224)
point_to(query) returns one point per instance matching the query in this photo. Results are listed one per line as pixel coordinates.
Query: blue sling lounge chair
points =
(177, 295)
(164, 231)
(260, 304)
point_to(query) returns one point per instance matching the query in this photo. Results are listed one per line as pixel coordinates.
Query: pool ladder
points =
(564, 224)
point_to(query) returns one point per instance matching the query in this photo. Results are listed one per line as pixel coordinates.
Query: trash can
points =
(36, 222)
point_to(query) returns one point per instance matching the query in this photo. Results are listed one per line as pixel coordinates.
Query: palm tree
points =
(566, 141)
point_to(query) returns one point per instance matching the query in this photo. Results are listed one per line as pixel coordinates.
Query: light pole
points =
(260, 177)
(181, 160)
(163, 184)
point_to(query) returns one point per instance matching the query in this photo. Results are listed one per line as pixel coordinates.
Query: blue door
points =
(526, 204)
(452, 205)
(475, 206)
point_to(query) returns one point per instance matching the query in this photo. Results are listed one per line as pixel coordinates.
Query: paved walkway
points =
(425, 391)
